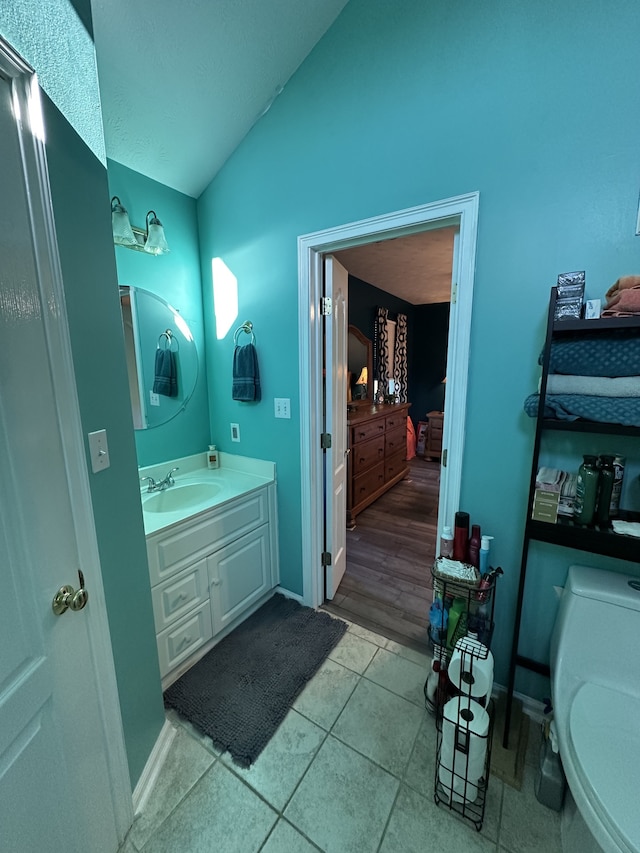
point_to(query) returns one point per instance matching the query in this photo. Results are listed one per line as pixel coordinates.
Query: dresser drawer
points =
(181, 593)
(170, 553)
(396, 420)
(366, 454)
(178, 642)
(367, 483)
(395, 465)
(362, 432)
(395, 441)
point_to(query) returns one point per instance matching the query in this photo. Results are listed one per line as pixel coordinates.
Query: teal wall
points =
(406, 103)
(176, 278)
(80, 198)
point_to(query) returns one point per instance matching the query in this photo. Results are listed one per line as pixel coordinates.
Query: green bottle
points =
(605, 487)
(586, 491)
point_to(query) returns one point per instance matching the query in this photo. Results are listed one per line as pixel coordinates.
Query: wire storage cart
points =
(464, 714)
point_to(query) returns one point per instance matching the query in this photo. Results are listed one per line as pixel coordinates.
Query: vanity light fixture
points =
(156, 243)
(151, 239)
(122, 231)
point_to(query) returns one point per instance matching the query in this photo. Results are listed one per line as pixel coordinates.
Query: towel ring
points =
(246, 327)
(168, 339)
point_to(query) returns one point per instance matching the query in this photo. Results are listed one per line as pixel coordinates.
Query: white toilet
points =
(595, 673)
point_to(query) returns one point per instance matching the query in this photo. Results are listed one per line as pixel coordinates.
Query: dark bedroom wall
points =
(427, 333)
(431, 330)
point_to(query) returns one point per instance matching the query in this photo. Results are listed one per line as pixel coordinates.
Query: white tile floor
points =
(351, 768)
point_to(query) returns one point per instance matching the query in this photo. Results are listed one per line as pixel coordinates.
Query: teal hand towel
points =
(246, 377)
(166, 374)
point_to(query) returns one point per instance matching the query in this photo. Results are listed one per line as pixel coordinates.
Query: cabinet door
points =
(239, 574)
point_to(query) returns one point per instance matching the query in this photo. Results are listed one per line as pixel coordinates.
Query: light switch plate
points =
(282, 407)
(235, 432)
(99, 450)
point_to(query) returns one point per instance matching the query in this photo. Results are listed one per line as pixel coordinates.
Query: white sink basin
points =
(181, 497)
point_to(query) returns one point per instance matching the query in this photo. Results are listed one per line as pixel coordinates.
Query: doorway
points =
(392, 508)
(461, 211)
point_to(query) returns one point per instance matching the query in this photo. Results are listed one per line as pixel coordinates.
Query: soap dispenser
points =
(212, 457)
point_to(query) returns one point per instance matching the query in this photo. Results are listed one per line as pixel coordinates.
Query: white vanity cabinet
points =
(208, 572)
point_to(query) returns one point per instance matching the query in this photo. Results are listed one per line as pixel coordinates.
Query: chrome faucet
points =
(162, 484)
(168, 480)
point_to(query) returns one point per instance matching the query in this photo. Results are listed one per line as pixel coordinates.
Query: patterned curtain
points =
(400, 358)
(381, 354)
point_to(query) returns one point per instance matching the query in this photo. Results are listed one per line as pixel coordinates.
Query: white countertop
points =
(236, 476)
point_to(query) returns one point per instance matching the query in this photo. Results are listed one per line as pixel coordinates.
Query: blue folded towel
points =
(166, 376)
(246, 378)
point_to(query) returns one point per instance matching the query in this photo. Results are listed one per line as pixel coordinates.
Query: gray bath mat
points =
(240, 692)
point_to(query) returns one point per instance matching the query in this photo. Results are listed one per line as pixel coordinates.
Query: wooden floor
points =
(387, 585)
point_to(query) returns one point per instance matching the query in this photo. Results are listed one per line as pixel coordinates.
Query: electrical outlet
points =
(282, 407)
(235, 432)
(154, 399)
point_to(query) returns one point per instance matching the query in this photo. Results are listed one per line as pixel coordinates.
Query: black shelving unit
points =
(596, 540)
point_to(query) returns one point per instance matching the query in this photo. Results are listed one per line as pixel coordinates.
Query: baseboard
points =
(531, 707)
(153, 767)
(288, 594)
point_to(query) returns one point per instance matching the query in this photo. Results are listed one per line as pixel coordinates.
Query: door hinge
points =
(325, 306)
(444, 458)
(454, 292)
(326, 558)
(325, 440)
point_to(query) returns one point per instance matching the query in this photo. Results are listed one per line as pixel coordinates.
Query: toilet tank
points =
(597, 630)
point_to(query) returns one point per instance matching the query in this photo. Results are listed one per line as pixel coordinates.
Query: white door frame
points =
(26, 95)
(459, 209)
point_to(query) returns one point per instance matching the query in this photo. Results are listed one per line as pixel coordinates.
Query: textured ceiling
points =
(181, 83)
(416, 268)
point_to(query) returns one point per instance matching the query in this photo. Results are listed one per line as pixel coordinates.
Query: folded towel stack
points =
(623, 297)
(246, 377)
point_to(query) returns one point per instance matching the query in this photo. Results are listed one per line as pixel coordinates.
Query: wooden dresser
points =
(377, 437)
(433, 440)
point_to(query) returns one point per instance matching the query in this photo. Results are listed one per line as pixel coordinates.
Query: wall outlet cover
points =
(235, 432)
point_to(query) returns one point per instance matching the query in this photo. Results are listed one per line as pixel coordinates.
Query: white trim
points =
(33, 151)
(288, 594)
(311, 247)
(153, 767)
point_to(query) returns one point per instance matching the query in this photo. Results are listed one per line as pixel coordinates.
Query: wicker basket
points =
(457, 587)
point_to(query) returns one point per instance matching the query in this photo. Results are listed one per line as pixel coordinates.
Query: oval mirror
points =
(162, 359)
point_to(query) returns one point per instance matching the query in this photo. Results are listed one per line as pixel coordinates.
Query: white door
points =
(58, 747)
(337, 289)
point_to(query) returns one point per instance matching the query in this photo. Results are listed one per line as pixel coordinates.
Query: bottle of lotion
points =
(446, 542)
(484, 554)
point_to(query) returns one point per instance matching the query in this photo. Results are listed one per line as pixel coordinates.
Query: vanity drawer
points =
(181, 593)
(176, 643)
(362, 432)
(366, 484)
(367, 453)
(170, 553)
(395, 441)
